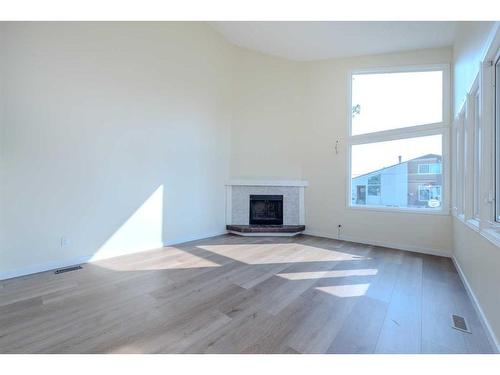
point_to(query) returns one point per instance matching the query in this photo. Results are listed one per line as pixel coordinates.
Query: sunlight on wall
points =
(143, 230)
(326, 274)
(353, 290)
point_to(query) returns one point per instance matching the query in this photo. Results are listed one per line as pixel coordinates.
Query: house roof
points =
(426, 156)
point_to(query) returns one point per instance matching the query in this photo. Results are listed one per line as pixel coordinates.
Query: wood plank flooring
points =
(232, 294)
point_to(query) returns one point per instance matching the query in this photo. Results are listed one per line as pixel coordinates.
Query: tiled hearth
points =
(268, 229)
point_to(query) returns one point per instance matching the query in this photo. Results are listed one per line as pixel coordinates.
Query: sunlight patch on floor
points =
(327, 274)
(352, 290)
(170, 258)
(279, 253)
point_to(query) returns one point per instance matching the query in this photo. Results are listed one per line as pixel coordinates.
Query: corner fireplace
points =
(266, 210)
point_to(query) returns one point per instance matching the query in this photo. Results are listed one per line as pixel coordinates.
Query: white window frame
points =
(479, 192)
(459, 157)
(488, 226)
(496, 128)
(489, 177)
(472, 152)
(454, 154)
(478, 155)
(441, 128)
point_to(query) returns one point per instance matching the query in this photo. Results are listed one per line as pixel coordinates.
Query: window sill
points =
(423, 211)
(473, 224)
(492, 235)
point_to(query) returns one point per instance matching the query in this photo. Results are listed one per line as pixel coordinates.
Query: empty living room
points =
(249, 186)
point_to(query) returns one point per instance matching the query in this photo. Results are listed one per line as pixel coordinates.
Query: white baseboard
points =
(412, 248)
(486, 325)
(183, 240)
(48, 266)
(42, 267)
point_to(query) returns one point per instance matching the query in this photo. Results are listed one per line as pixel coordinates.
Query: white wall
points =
(116, 136)
(268, 110)
(298, 110)
(478, 258)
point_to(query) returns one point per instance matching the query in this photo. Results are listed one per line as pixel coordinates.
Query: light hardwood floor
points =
(230, 294)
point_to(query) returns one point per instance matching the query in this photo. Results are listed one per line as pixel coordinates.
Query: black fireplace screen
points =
(266, 209)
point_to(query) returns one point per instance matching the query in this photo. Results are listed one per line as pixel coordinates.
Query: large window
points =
(397, 133)
(476, 149)
(497, 137)
(474, 134)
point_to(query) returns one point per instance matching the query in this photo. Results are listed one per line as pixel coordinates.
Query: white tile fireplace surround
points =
(238, 202)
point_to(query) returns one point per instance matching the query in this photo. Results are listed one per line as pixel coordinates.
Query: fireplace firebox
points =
(266, 210)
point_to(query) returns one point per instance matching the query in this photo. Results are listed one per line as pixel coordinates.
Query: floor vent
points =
(460, 323)
(67, 269)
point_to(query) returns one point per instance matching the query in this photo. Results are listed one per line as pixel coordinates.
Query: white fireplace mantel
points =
(294, 183)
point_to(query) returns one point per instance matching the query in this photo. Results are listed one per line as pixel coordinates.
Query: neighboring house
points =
(413, 183)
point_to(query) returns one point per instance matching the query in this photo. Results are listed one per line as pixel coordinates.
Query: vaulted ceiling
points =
(306, 41)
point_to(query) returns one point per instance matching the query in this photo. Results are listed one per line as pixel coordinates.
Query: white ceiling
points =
(305, 40)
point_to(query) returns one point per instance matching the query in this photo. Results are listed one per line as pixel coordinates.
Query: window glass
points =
(477, 156)
(389, 173)
(384, 101)
(497, 138)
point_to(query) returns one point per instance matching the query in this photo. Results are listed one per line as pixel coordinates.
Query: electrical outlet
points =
(65, 241)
